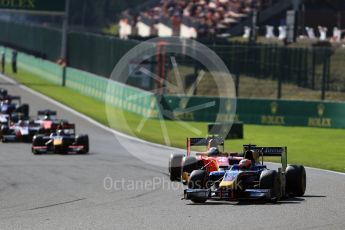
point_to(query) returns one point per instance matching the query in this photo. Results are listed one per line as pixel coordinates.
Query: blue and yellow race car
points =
(249, 180)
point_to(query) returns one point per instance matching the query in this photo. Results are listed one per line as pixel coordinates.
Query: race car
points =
(21, 131)
(249, 180)
(24, 130)
(63, 140)
(3, 93)
(180, 166)
(48, 121)
(12, 106)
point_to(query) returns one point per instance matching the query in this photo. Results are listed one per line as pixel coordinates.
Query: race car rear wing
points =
(62, 125)
(201, 141)
(12, 98)
(46, 112)
(269, 152)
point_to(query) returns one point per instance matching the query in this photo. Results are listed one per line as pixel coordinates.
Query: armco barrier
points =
(119, 95)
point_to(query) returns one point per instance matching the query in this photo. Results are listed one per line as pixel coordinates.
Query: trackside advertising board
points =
(262, 111)
(34, 6)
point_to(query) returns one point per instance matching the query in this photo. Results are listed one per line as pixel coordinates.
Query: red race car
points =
(180, 166)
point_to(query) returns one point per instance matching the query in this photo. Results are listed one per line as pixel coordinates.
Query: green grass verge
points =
(315, 147)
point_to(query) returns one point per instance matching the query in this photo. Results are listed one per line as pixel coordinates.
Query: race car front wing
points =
(69, 149)
(228, 194)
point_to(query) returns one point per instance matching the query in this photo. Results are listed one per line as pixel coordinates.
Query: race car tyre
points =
(37, 141)
(191, 163)
(296, 180)
(175, 167)
(3, 140)
(24, 110)
(84, 141)
(269, 179)
(4, 129)
(41, 131)
(198, 180)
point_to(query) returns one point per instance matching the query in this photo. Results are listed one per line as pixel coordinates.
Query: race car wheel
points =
(35, 152)
(4, 130)
(269, 179)
(175, 164)
(296, 180)
(191, 163)
(24, 110)
(3, 140)
(37, 141)
(84, 141)
(41, 131)
(198, 180)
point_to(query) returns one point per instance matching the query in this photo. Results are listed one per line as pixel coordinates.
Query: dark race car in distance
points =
(12, 106)
(63, 141)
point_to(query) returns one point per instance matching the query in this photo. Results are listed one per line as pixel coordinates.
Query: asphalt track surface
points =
(68, 191)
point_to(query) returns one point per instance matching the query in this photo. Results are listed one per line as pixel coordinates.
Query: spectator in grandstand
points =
(282, 32)
(176, 22)
(336, 35)
(310, 33)
(323, 33)
(208, 15)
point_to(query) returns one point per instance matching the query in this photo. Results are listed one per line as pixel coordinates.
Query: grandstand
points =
(222, 18)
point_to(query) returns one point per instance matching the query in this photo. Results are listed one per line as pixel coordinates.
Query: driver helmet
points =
(213, 151)
(245, 164)
(60, 132)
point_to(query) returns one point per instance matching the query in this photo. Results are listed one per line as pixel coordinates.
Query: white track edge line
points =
(96, 123)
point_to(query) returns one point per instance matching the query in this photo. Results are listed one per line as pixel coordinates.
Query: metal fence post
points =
(64, 76)
(237, 84)
(64, 41)
(282, 67)
(328, 69)
(324, 75)
(313, 53)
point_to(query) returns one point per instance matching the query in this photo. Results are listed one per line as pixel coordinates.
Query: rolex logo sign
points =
(321, 110)
(320, 121)
(274, 107)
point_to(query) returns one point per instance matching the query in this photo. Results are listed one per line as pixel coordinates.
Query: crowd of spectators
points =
(208, 16)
